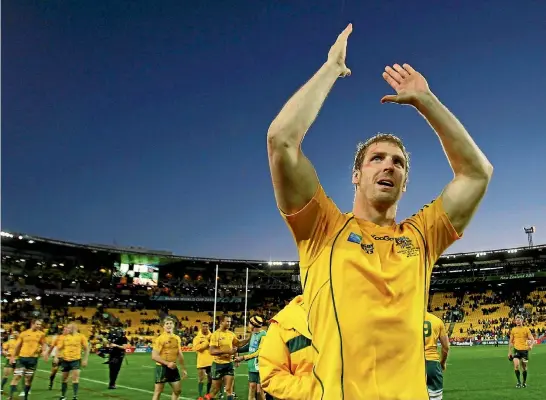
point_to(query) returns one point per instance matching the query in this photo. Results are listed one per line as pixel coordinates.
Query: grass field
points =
(476, 373)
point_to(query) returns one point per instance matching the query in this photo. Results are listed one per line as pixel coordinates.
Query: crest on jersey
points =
(368, 248)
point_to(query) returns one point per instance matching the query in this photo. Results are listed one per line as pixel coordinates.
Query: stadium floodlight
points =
(529, 231)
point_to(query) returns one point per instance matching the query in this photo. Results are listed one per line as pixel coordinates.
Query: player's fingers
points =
(393, 74)
(390, 80)
(403, 73)
(408, 68)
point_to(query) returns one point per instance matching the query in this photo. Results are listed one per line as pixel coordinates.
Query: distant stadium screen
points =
(137, 274)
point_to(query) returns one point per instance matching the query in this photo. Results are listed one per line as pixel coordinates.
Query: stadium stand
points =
(476, 294)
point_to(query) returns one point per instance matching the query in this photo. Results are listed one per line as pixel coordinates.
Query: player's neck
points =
(375, 213)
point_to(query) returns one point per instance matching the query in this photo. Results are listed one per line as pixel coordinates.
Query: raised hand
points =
(407, 82)
(338, 51)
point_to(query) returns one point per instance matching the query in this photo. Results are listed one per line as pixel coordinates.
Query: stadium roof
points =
(139, 255)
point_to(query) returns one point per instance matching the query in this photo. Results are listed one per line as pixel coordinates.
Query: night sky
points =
(144, 123)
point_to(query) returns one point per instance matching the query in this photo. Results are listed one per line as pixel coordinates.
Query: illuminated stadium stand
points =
(139, 286)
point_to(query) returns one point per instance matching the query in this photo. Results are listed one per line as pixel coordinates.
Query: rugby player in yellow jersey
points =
(201, 344)
(286, 355)
(521, 341)
(57, 355)
(26, 353)
(365, 260)
(72, 345)
(8, 348)
(223, 346)
(434, 330)
(167, 349)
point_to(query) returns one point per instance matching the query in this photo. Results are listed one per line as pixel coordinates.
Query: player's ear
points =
(356, 177)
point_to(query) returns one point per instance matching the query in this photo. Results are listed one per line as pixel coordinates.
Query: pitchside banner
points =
(475, 279)
(198, 299)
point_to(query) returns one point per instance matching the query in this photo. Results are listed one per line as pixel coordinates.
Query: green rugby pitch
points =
(473, 373)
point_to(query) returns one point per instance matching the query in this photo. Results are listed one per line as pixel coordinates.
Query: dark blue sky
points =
(145, 122)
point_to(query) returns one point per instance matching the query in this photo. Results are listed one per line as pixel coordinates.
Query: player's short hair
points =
(257, 321)
(362, 147)
(224, 317)
(167, 319)
(519, 316)
(205, 323)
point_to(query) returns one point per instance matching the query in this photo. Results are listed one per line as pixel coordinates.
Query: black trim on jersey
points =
(424, 294)
(335, 308)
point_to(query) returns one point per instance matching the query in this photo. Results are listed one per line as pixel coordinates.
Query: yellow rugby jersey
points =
(519, 335)
(72, 345)
(225, 340)
(57, 343)
(8, 347)
(433, 330)
(355, 273)
(286, 355)
(31, 341)
(168, 345)
(201, 345)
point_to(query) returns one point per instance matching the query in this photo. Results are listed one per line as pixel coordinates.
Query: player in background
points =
(256, 325)
(434, 330)
(223, 346)
(286, 354)
(57, 355)
(201, 344)
(72, 345)
(365, 260)
(26, 353)
(521, 341)
(167, 349)
(8, 348)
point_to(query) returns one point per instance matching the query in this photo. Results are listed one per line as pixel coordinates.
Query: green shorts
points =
(221, 370)
(254, 377)
(28, 363)
(67, 366)
(164, 374)
(435, 379)
(523, 355)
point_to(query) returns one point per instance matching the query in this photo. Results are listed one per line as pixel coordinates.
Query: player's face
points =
(66, 330)
(519, 321)
(226, 323)
(205, 328)
(37, 325)
(72, 328)
(168, 326)
(381, 179)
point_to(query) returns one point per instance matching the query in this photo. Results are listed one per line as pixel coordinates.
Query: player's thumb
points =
(345, 72)
(390, 99)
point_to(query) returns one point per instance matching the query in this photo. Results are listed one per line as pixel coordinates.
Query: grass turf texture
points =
(473, 373)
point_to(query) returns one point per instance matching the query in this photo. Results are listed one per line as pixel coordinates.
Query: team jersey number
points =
(427, 329)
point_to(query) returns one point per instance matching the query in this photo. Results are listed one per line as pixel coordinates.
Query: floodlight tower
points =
(529, 231)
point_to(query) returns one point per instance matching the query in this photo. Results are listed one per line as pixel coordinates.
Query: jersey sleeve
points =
(313, 225)
(200, 343)
(84, 342)
(158, 344)
(236, 342)
(275, 376)
(443, 331)
(435, 228)
(214, 340)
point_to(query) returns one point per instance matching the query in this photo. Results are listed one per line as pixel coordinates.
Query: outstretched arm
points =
(294, 178)
(471, 167)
